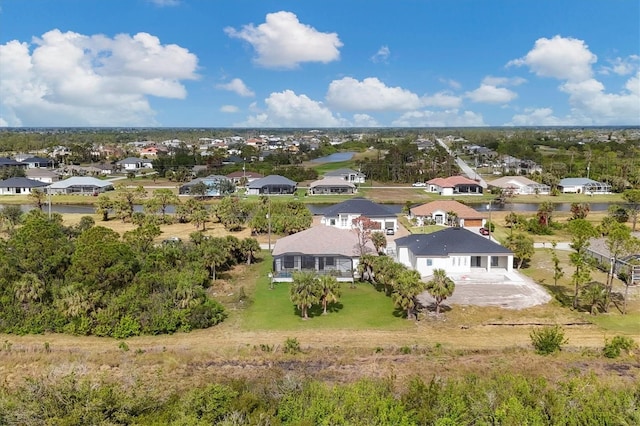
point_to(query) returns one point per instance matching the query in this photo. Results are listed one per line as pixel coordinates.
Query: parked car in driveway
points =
(484, 231)
(419, 184)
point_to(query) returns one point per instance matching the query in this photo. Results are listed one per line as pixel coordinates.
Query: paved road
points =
(466, 169)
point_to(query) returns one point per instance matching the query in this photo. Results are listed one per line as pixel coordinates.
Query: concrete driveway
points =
(505, 290)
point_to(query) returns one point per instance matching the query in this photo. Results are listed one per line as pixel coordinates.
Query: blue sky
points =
(329, 63)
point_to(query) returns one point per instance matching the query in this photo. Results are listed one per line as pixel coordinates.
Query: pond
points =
(335, 157)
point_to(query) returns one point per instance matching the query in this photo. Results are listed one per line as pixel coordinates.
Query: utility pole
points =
(269, 221)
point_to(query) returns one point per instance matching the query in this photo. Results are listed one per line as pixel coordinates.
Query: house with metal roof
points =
(457, 250)
(454, 185)
(348, 175)
(272, 185)
(20, 186)
(519, 185)
(583, 186)
(320, 249)
(81, 185)
(331, 185)
(446, 212)
(341, 215)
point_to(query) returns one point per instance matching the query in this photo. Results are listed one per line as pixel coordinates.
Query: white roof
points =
(80, 181)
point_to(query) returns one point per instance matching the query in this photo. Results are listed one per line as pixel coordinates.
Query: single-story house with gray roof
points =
(272, 184)
(331, 185)
(20, 186)
(81, 185)
(320, 249)
(38, 162)
(456, 250)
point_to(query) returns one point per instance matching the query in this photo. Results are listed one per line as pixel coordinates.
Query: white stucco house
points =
(456, 250)
(342, 214)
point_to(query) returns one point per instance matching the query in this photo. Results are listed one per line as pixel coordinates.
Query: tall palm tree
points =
(329, 290)
(304, 292)
(440, 287)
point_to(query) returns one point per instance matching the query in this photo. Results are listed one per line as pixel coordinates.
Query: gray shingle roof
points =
(271, 180)
(450, 241)
(21, 182)
(361, 206)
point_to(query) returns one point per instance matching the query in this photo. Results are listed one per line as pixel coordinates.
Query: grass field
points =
(359, 308)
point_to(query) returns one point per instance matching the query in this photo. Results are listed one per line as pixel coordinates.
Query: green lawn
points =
(359, 308)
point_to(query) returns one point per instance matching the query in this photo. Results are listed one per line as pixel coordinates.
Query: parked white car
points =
(419, 184)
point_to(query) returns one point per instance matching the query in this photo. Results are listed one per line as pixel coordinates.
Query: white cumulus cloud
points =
(237, 86)
(489, 94)
(287, 109)
(537, 117)
(364, 120)
(442, 100)
(446, 118)
(559, 57)
(70, 79)
(622, 66)
(570, 61)
(284, 42)
(369, 94)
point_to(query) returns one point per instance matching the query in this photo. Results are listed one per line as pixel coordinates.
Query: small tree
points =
(581, 232)
(547, 340)
(304, 292)
(379, 240)
(440, 287)
(632, 197)
(407, 287)
(38, 197)
(522, 247)
(557, 268)
(329, 290)
(580, 210)
(595, 294)
(364, 227)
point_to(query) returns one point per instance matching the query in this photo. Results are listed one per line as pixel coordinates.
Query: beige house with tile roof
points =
(321, 249)
(439, 212)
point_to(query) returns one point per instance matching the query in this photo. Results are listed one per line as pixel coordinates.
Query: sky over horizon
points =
(330, 63)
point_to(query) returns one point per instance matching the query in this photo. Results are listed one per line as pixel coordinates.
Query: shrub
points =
(613, 348)
(292, 346)
(547, 340)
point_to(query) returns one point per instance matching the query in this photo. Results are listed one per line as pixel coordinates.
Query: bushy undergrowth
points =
(468, 400)
(92, 281)
(614, 347)
(547, 340)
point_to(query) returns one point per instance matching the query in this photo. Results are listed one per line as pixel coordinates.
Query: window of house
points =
(343, 221)
(330, 261)
(308, 262)
(288, 262)
(494, 260)
(429, 262)
(332, 222)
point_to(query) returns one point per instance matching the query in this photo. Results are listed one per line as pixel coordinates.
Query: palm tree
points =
(304, 292)
(595, 293)
(379, 240)
(440, 287)
(330, 290)
(248, 247)
(407, 286)
(29, 289)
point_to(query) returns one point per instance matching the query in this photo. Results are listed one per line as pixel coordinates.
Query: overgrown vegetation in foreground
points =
(89, 280)
(501, 399)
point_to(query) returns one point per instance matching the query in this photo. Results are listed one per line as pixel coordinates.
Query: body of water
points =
(335, 157)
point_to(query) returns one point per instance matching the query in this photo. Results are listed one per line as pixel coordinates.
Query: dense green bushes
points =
(95, 282)
(470, 400)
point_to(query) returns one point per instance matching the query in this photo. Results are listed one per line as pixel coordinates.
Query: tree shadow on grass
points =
(317, 310)
(431, 307)
(559, 293)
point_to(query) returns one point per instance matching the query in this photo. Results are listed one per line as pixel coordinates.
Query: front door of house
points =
(476, 261)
